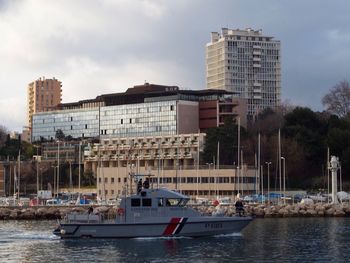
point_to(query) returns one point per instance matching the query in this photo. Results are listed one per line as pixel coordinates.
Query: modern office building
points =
(43, 95)
(247, 63)
(147, 129)
(144, 110)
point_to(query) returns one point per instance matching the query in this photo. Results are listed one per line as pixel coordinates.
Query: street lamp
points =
(79, 168)
(268, 181)
(54, 180)
(37, 174)
(58, 167)
(284, 179)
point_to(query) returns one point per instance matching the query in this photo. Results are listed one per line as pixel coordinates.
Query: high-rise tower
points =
(43, 95)
(247, 63)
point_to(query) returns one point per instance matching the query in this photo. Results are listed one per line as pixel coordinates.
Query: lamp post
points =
(58, 167)
(284, 179)
(268, 181)
(54, 180)
(79, 168)
(37, 174)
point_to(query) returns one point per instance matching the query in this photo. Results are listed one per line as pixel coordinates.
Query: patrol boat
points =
(150, 213)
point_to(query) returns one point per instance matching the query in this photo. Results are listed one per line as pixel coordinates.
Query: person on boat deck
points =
(239, 207)
(90, 210)
(146, 184)
(139, 186)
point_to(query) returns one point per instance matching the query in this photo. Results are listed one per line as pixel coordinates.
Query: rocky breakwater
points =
(255, 210)
(287, 210)
(50, 212)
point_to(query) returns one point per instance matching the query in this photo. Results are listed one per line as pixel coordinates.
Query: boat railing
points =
(84, 218)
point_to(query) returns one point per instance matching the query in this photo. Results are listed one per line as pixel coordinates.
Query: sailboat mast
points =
(279, 159)
(238, 152)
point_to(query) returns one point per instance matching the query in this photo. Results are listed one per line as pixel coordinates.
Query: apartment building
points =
(171, 161)
(247, 63)
(43, 95)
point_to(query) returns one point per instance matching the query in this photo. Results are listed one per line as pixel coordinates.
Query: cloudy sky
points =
(104, 46)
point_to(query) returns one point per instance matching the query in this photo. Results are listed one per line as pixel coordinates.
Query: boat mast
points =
(238, 152)
(280, 160)
(259, 178)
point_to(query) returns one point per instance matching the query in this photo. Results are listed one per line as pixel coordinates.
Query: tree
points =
(337, 101)
(226, 135)
(3, 135)
(60, 135)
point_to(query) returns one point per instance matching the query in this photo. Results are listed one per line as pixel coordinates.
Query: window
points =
(99, 179)
(146, 202)
(135, 202)
(172, 202)
(106, 180)
(112, 180)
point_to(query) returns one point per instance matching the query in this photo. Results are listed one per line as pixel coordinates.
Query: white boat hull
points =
(173, 227)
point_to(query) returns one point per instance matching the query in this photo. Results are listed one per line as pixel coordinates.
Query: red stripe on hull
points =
(171, 226)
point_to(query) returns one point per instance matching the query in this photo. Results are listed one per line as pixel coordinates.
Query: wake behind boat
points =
(150, 213)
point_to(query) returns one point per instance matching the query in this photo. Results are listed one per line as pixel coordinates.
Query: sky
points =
(104, 46)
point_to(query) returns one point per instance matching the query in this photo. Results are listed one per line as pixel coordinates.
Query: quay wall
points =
(256, 210)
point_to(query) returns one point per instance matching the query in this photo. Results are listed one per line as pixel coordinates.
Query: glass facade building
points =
(141, 119)
(78, 123)
(145, 110)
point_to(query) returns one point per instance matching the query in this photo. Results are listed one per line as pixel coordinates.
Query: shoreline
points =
(255, 210)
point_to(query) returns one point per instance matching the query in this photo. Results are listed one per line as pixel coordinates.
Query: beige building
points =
(172, 162)
(43, 95)
(2, 179)
(247, 63)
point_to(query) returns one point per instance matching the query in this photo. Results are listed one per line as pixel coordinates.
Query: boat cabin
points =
(155, 203)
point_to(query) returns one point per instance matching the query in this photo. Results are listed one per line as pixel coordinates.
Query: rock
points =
(330, 211)
(311, 212)
(5, 213)
(320, 213)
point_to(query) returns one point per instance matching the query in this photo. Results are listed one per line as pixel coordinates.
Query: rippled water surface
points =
(264, 240)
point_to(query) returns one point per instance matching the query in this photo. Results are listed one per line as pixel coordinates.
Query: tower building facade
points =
(43, 95)
(247, 63)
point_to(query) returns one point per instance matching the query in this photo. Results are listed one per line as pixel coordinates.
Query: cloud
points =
(104, 46)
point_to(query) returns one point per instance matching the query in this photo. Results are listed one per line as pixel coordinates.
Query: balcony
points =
(256, 53)
(256, 66)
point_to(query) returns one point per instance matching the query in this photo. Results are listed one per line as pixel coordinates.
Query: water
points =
(264, 240)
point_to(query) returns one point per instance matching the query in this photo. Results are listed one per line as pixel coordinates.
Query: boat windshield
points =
(183, 202)
(176, 202)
